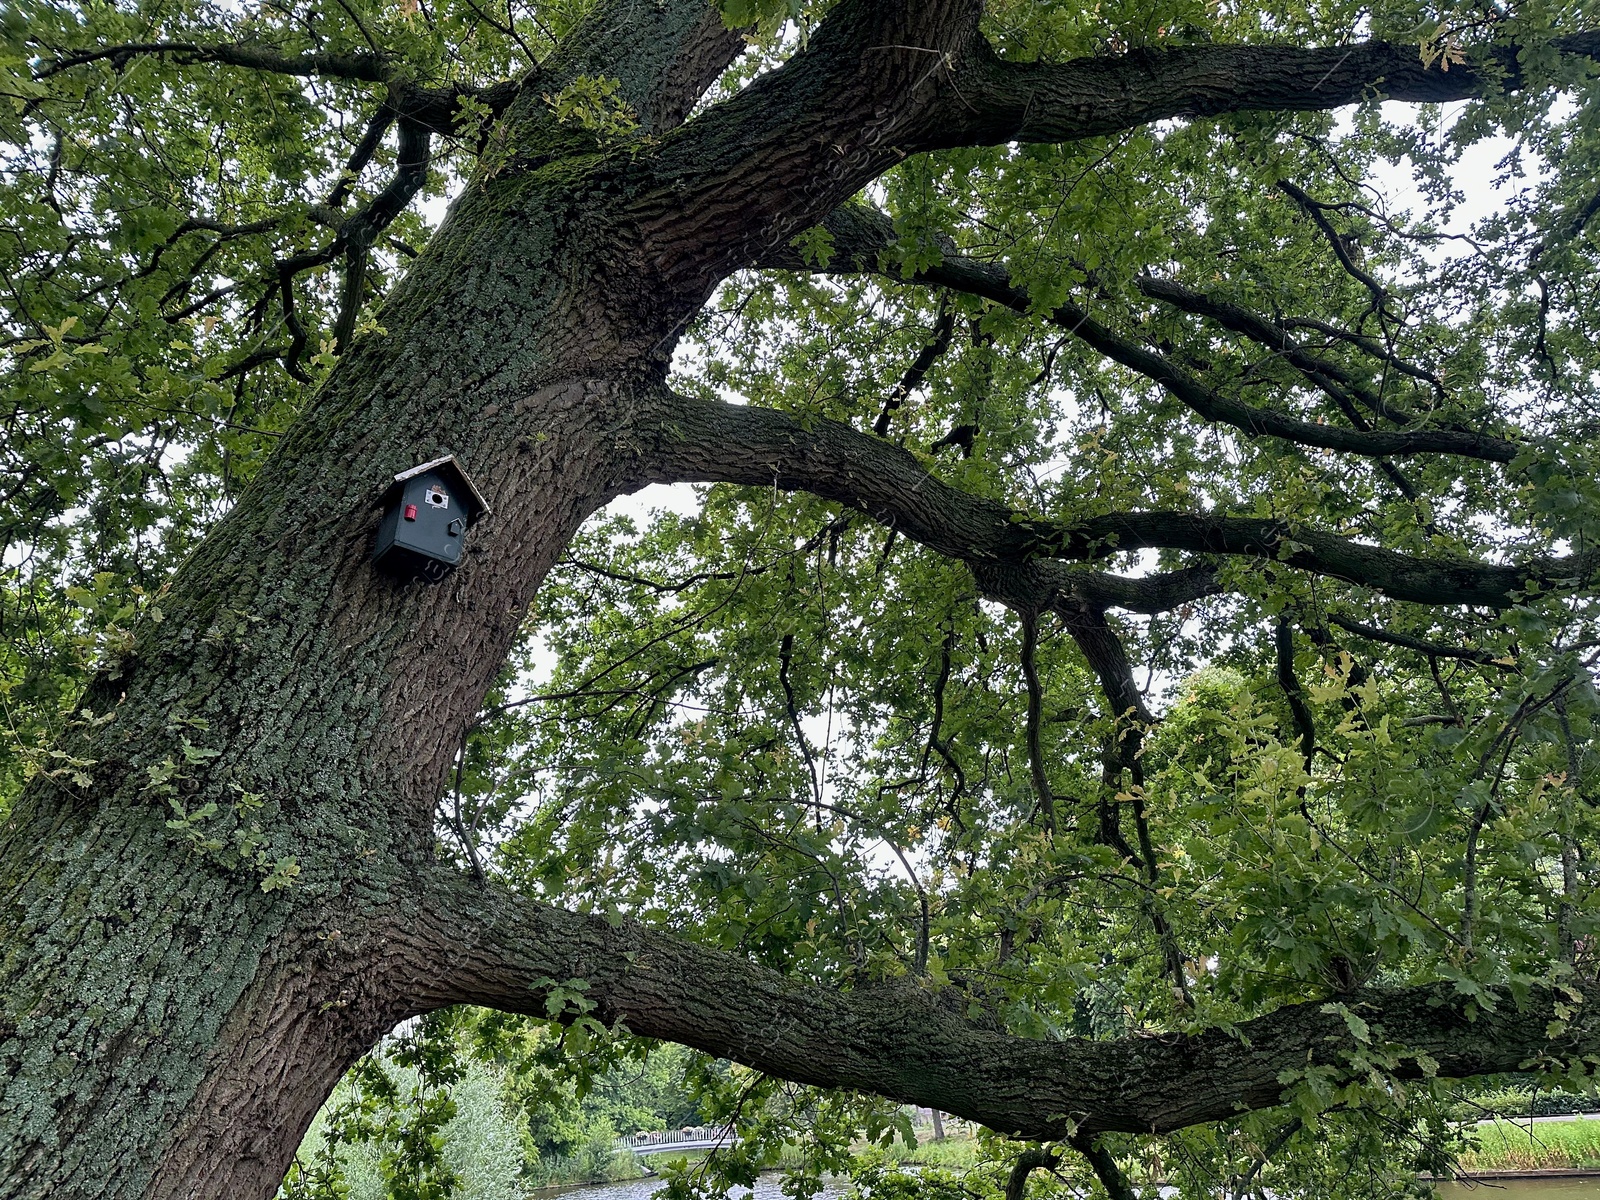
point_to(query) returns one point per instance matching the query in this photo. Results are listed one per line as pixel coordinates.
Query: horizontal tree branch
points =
(1421, 645)
(881, 79)
(438, 109)
(1342, 386)
(861, 236)
(1399, 576)
(435, 108)
(723, 443)
(358, 66)
(1045, 585)
(993, 101)
(902, 1040)
(710, 442)
(1325, 373)
(1369, 346)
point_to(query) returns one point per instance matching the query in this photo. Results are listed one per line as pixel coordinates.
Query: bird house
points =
(426, 514)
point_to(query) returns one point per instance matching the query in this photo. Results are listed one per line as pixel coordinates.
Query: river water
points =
(1523, 1189)
(767, 1188)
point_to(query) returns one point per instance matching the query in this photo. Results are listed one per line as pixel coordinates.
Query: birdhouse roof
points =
(448, 463)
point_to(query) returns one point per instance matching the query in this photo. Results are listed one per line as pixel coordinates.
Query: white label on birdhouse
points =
(437, 497)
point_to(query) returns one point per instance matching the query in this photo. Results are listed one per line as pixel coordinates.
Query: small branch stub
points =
(426, 514)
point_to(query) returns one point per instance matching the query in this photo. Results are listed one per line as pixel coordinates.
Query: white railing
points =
(696, 1135)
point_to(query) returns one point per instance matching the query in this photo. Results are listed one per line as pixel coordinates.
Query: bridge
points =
(678, 1141)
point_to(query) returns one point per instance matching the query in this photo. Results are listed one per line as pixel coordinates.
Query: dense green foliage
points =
(775, 726)
(469, 1103)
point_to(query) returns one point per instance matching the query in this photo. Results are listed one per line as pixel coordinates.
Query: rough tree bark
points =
(168, 1028)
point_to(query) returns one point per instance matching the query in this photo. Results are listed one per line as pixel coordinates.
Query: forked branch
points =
(709, 442)
(862, 236)
(880, 79)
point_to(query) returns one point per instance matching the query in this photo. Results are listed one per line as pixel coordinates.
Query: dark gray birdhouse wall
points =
(427, 512)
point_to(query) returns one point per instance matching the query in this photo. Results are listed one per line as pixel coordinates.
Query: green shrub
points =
(479, 1143)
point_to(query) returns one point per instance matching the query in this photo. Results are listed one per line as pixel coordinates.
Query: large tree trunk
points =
(175, 1026)
(167, 1026)
(170, 1026)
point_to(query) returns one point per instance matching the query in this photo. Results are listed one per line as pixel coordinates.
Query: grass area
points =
(951, 1152)
(585, 1169)
(1512, 1146)
(955, 1152)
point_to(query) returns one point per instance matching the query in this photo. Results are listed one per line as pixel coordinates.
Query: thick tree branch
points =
(881, 80)
(1057, 587)
(663, 54)
(700, 441)
(764, 165)
(469, 944)
(993, 101)
(1103, 650)
(438, 109)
